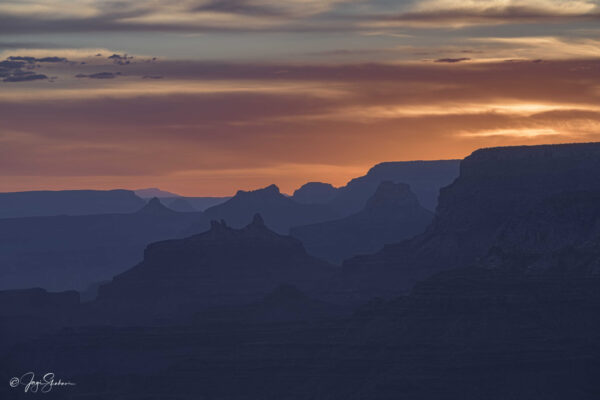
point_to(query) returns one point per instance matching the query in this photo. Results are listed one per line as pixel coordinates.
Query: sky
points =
(206, 97)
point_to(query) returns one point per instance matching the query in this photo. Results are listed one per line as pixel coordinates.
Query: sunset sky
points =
(204, 97)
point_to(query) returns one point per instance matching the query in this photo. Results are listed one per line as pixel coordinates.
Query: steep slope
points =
(424, 177)
(72, 252)
(392, 214)
(279, 212)
(497, 187)
(220, 266)
(68, 202)
(155, 207)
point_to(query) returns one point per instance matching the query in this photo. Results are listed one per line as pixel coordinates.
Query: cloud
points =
(250, 122)
(12, 70)
(121, 59)
(26, 45)
(178, 15)
(32, 60)
(547, 47)
(281, 16)
(10, 63)
(518, 133)
(26, 77)
(242, 7)
(99, 75)
(457, 14)
(451, 60)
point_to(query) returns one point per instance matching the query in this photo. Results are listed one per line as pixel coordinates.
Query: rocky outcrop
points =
(498, 190)
(221, 266)
(315, 193)
(392, 214)
(280, 212)
(424, 177)
(155, 207)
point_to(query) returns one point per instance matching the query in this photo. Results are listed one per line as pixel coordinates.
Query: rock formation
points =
(392, 214)
(315, 193)
(221, 266)
(280, 212)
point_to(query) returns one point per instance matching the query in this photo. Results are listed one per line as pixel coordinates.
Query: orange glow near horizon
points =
(216, 129)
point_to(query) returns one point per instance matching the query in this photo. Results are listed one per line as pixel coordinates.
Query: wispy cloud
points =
(457, 14)
(517, 133)
(270, 15)
(224, 119)
(228, 94)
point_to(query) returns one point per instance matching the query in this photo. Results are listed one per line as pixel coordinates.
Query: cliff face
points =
(508, 182)
(221, 266)
(392, 214)
(424, 177)
(560, 235)
(497, 192)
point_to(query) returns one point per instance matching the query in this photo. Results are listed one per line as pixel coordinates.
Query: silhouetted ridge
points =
(155, 192)
(389, 194)
(424, 177)
(271, 191)
(73, 252)
(68, 202)
(486, 206)
(279, 211)
(508, 308)
(155, 207)
(223, 265)
(392, 214)
(315, 193)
